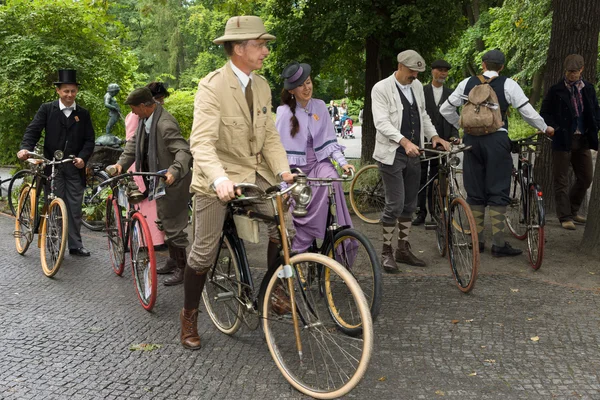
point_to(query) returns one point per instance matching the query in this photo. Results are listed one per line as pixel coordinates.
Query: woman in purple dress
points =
(308, 136)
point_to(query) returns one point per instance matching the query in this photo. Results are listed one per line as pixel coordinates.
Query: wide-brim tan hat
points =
(246, 27)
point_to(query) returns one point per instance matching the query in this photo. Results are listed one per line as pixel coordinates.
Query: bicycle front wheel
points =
(463, 247)
(143, 261)
(535, 226)
(367, 196)
(354, 251)
(114, 233)
(439, 216)
(515, 212)
(93, 213)
(25, 219)
(315, 356)
(223, 288)
(55, 230)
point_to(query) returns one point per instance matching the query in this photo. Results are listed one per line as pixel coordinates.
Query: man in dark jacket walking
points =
(571, 107)
(435, 95)
(68, 128)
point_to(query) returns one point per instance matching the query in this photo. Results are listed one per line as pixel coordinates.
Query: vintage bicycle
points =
(453, 221)
(525, 215)
(352, 249)
(308, 344)
(127, 229)
(38, 211)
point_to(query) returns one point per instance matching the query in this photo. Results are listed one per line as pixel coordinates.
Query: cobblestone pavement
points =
(69, 338)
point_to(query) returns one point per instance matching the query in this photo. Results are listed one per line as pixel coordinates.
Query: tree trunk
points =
(575, 28)
(536, 90)
(372, 76)
(577, 20)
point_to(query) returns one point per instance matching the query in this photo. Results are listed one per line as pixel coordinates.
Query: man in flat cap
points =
(68, 128)
(233, 140)
(488, 165)
(402, 125)
(158, 145)
(435, 95)
(571, 108)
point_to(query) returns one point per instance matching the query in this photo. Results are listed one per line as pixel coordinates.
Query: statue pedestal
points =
(105, 155)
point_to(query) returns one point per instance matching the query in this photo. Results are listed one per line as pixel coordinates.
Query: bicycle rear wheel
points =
(25, 219)
(463, 248)
(222, 289)
(515, 212)
(93, 213)
(439, 217)
(114, 233)
(367, 196)
(354, 251)
(143, 261)
(535, 226)
(18, 180)
(54, 232)
(330, 362)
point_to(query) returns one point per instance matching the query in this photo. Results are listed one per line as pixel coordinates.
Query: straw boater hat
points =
(245, 27)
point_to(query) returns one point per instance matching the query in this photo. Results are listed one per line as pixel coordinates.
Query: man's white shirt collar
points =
(490, 74)
(242, 77)
(405, 89)
(148, 123)
(62, 108)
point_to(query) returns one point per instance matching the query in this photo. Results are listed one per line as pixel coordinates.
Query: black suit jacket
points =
(74, 135)
(558, 112)
(445, 129)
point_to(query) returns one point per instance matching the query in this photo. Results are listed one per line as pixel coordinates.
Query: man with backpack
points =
(488, 165)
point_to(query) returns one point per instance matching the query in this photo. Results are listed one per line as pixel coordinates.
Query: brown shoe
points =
(167, 268)
(405, 256)
(579, 219)
(280, 301)
(189, 329)
(181, 262)
(568, 225)
(387, 260)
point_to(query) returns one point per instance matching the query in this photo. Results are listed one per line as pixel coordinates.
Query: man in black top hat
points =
(435, 95)
(68, 128)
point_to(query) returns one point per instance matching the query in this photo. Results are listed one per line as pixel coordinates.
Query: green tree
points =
(41, 36)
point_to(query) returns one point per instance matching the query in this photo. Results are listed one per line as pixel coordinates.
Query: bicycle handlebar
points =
(454, 149)
(343, 178)
(50, 162)
(127, 175)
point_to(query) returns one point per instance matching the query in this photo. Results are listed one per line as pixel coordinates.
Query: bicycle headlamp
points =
(302, 195)
(454, 161)
(58, 155)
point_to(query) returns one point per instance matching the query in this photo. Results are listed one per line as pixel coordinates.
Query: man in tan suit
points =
(233, 140)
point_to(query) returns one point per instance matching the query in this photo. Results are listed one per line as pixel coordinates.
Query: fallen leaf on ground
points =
(489, 360)
(439, 393)
(514, 290)
(382, 379)
(144, 347)
(473, 374)
(455, 321)
(535, 339)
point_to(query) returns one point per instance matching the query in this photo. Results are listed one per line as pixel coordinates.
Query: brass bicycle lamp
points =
(133, 193)
(302, 195)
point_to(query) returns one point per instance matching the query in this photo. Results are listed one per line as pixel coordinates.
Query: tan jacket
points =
(387, 116)
(224, 139)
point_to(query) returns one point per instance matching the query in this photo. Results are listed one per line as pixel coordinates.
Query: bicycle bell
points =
(302, 194)
(133, 193)
(58, 155)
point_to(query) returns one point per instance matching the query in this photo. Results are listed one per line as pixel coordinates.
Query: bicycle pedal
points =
(224, 296)
(430, 226)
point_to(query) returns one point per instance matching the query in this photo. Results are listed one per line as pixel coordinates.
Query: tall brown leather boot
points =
(170, 264)
(387, 260)
(189, 329)
(405, 256)
(181, 260)
(192, 291)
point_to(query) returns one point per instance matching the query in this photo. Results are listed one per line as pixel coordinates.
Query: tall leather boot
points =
(171, 264)
(387, 260)
(405, 256)
(181, 260)
(192, 289)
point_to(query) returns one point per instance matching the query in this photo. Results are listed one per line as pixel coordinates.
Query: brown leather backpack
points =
(481, 114)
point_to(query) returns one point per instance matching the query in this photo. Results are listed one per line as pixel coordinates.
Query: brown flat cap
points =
(139, 96)
(573, 62)
(411, 59)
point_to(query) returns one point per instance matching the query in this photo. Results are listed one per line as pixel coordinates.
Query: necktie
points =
(249, 98)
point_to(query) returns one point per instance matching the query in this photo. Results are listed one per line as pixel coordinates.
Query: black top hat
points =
(294, 75)
(67, 76)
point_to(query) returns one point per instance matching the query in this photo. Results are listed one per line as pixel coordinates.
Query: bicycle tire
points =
(25, 219)
(439, 216)
(535, 226)
(318, 332)
(54, 234)
(367, 195)
(18, 175)
(463, 248)
(114, 234)
(355, 252)
(96, 220)
(143, 261)
(515, 211)
(222, 289)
